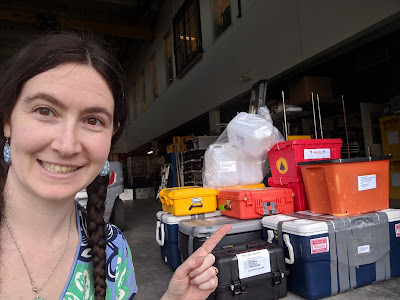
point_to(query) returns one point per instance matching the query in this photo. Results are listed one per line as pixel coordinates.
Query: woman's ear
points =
(7, 129)
(116, 129)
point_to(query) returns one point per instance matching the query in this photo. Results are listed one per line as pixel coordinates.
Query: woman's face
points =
(60, 132)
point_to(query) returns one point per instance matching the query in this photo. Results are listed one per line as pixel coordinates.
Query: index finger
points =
(213, 240)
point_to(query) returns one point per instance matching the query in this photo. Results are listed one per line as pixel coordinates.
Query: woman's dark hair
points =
(41, 54)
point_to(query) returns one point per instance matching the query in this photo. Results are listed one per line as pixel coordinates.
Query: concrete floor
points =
(153, 275)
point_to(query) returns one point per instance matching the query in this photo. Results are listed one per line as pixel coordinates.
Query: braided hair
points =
(41, 54)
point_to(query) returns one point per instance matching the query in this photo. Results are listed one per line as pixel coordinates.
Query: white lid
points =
(392, 213)
(170, 219)
(293, 225)
(305, 227)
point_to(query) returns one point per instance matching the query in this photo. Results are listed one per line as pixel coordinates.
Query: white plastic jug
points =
(251, 133)
(221, 165)
(250, 168)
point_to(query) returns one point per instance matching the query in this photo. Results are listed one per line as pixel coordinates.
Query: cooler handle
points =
(159, 240)
(164, 200)
(289, 260)
(270, 236)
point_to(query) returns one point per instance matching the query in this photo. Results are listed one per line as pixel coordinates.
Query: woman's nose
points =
(67, 142)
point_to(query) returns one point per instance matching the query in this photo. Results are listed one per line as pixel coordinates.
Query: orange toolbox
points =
(350, 186)
(255, 203)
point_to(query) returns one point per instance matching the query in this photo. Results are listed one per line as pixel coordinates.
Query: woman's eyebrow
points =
(50, 98)
(46, 97)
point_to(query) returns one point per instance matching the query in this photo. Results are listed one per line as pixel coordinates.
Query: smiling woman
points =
(62, 107)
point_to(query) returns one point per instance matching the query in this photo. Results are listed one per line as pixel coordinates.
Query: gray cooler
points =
(193, 233)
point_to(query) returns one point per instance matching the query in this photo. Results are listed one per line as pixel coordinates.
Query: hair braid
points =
(97, 192)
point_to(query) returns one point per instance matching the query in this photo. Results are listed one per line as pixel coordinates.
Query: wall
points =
(270, 37)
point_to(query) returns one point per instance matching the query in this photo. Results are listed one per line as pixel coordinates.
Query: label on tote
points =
(366, 182)
(253, 263)
(317, 153)
(398, 230)
(227, 166)
(319, 245)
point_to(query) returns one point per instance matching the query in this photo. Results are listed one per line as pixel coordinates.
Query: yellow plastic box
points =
(390, 131)
(170, 148)
(188, 200)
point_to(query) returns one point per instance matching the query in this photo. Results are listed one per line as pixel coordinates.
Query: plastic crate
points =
(284, 156)
(347, 186)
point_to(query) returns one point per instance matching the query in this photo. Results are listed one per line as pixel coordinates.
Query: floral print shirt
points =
(121, 283)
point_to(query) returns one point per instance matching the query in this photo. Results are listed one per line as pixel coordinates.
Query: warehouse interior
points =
(360, 85)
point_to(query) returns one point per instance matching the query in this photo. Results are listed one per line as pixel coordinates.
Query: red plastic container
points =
(297, 185)
(255, 203)
(284, 156)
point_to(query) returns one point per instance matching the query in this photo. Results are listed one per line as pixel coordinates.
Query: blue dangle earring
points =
(105, 170)
(6, 152)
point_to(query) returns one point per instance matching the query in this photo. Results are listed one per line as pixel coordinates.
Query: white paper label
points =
(366, 182)
(253, 263)
(317, 153)
(395, 179)
(393, 137)
(319, 245)
(227, 166)
(397, 228)
(363, 249)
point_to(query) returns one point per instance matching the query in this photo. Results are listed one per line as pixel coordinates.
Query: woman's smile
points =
(55, 168)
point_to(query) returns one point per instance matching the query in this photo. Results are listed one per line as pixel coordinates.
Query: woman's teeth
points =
(56, 168)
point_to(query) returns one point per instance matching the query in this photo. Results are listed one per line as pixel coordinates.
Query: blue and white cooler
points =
(167, 235)
(329, 255)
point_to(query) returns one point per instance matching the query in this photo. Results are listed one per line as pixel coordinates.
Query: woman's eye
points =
(43, 111)
(94, 121)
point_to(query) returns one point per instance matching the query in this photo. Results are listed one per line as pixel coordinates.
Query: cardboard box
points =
(300, 90)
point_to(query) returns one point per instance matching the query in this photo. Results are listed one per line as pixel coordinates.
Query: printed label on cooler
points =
(253, 263)
(317, 153)
(366, 182)
(319, 245)
(227, 166)
(397, 228)
(282, 165)
(363, 249)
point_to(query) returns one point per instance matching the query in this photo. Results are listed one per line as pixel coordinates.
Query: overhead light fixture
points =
(246, 76)
(150, 152)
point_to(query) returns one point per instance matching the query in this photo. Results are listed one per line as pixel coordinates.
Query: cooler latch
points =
(196, 202)
(272, 208)
(237, 288)
(278, 276)
(228, 205)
